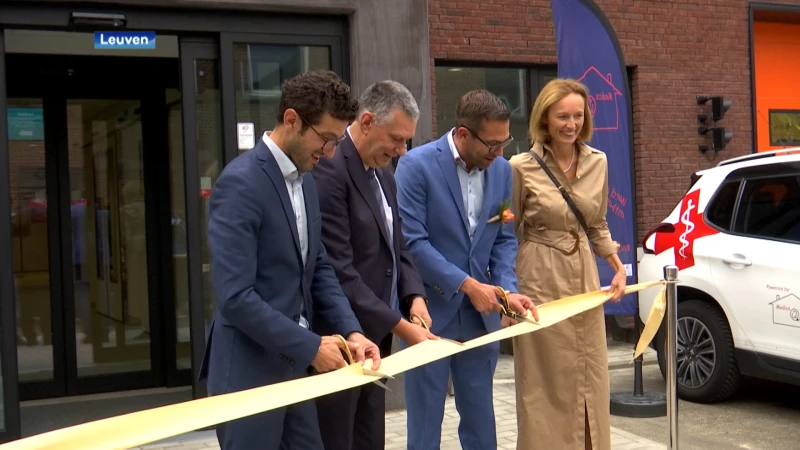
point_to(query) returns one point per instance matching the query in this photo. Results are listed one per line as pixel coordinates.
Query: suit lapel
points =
(361, 180)
(308, 195)
(449, 169)
(272, 170)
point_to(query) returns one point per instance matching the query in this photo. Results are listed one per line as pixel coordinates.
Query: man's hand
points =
(522, 304)
(365, 349)
(506, 321)
(412, 333)
(483, 296)
(420, 308)
(329, 356)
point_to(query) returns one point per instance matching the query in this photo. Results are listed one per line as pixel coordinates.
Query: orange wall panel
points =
(777, 73)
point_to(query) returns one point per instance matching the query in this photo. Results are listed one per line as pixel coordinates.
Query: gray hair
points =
(383, 97)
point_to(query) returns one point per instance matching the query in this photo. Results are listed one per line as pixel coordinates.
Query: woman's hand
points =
(617, 288)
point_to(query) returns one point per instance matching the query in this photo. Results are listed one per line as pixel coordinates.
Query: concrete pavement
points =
(504, 406)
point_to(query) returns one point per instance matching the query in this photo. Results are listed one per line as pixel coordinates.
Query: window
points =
(517, 87)
(770, 208)
(720, 211)
(259, 72)
(784, 127)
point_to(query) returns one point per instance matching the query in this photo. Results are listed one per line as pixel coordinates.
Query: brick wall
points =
(679, 48)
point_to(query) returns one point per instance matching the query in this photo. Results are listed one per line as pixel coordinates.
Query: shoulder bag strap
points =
(563, 191)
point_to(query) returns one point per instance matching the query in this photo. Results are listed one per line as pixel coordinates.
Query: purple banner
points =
(588, 51)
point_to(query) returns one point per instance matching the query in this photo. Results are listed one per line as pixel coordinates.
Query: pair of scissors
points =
(369, 372)
(424, 324)
(507, 310)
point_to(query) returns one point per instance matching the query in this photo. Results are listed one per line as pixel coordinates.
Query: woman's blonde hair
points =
(553, 92)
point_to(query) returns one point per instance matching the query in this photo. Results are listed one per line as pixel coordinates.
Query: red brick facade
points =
(678, 49)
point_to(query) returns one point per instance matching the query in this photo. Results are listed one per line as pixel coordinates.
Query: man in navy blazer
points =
(448, 191)
(270, 270)
(361, 231)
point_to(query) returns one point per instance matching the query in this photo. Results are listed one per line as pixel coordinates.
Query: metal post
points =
(671, 277)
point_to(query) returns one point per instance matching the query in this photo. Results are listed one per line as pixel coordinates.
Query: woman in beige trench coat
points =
(562, 370)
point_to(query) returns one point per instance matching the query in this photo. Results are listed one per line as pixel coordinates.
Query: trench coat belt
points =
(567, 242)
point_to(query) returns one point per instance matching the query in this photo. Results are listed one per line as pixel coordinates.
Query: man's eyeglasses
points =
(494, 146)
(327, 144)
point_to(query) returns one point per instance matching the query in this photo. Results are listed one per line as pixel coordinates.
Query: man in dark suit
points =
(270, 270)
(361, 231)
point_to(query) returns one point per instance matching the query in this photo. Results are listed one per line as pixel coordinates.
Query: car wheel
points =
(707, 371)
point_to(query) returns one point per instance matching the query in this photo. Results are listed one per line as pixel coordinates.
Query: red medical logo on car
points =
(689, 228)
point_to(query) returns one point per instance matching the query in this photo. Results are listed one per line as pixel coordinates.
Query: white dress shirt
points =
(294, 186)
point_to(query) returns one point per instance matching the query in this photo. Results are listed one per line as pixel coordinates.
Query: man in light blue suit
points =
(448, 192)
(270, 271)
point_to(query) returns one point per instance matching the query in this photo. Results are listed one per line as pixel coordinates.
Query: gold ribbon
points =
(653, 323)
(142, 427)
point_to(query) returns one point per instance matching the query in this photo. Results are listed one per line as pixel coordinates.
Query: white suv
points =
(735, 237)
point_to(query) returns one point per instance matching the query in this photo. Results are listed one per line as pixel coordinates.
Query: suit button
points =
(389, 273)
(296, 318)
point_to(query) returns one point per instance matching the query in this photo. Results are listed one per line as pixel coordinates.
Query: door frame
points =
(8, 321)
(192, 49)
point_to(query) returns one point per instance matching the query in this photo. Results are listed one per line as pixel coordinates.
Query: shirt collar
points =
(366, 167)
(454, 150)
(288, 169)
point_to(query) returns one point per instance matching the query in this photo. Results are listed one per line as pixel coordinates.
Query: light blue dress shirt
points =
(472, 185)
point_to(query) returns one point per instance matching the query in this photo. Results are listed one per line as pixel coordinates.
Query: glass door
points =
(109, 236)
(92, 223)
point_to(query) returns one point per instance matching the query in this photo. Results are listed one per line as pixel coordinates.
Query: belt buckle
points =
(577, 237)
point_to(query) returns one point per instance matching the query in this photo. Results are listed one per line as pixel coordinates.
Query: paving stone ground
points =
(504, 406)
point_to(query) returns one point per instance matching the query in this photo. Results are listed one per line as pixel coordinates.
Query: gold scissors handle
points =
(505, 308)
(371, 372)
(421, 321)
(346, 348)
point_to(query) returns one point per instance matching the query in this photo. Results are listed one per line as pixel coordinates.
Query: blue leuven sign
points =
(125, 40)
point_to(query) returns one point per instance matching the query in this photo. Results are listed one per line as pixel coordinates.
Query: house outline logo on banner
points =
(603, 98)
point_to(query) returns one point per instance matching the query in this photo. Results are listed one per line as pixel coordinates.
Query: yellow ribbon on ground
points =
(142, 427)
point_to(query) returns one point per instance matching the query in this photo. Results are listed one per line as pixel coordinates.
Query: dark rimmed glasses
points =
(494, 146)
(327, 144)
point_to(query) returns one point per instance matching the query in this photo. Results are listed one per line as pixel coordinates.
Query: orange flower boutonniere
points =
(504, 214)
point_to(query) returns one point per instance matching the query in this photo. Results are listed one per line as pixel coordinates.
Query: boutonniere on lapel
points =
(504, 214)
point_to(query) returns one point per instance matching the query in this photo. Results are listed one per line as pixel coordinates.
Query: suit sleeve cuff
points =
(405, 305)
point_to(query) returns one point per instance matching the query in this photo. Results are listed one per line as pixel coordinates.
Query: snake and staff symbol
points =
(794, 314)
(689, 228)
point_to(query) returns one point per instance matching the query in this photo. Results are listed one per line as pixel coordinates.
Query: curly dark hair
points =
(314, 93)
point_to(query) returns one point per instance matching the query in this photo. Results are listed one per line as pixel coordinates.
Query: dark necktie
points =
(376, 189)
